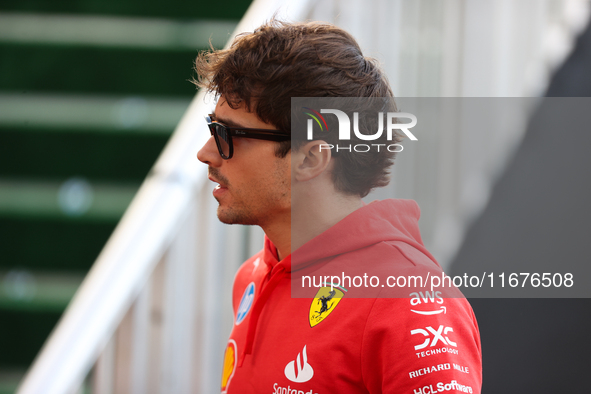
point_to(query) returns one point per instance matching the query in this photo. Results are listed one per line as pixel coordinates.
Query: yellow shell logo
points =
(324, 303)
(229, 364)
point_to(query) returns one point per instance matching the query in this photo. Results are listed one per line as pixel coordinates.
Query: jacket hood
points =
(379, 221)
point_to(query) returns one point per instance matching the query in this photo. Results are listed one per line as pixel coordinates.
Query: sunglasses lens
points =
(223, 139)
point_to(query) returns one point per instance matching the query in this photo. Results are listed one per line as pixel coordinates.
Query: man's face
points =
(254, 185)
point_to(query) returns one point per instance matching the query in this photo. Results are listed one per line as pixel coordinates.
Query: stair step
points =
(58, 226)
(92, 113)
(75, 198)
(25, 290)
(10, 379)
(109, 31)
(55, 153)
(21, 340)
(59, 244)
(230, 9)
(49, 68)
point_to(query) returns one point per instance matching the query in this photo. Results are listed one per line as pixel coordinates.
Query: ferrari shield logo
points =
(325, 301)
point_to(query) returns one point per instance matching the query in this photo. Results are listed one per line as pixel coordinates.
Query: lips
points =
(215, 176)
(219, 191)
(222, 182)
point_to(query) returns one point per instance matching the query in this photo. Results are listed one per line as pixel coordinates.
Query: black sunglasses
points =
(223, 135)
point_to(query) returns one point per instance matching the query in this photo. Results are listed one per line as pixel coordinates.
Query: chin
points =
(229, 216)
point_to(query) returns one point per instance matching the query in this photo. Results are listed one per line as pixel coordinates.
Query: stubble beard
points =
(230, 215)
(250, 213)
(236, 211)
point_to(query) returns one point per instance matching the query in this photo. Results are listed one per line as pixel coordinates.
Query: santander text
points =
(288, 390)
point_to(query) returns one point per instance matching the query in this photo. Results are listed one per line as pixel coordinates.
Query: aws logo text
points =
(418, 298)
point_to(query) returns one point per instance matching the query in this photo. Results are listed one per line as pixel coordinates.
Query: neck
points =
(279, 232)
(314, 210)
(310, 220)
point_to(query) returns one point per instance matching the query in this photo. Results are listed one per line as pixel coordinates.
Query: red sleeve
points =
(421, 345)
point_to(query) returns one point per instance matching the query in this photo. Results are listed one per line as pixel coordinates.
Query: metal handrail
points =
(141, 238)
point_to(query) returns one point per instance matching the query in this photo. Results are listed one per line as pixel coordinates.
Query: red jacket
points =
(289, 338)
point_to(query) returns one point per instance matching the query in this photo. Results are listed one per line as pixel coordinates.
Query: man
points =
(307, 199)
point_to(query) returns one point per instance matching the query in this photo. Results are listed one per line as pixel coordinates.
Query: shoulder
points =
(248, 273)
(248, 270)
(421, 340)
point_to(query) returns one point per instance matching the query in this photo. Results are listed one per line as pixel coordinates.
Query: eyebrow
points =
(226, 122)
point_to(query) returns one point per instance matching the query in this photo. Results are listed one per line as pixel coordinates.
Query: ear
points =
(311, 160)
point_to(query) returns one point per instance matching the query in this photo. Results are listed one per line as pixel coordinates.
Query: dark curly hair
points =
(281, 60)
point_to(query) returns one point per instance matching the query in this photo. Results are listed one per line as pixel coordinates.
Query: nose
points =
(209, 154)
